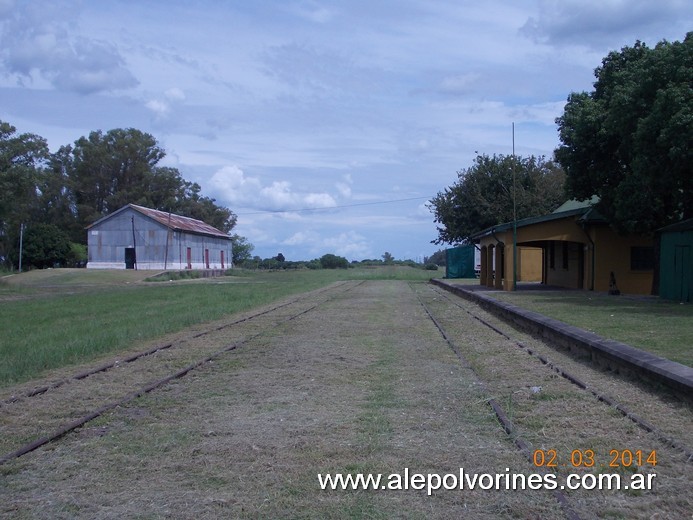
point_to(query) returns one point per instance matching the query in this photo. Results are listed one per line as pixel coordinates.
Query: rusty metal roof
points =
(170, 220)
(180, 223)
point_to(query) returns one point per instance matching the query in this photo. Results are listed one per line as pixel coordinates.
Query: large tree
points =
(22, 158)
(483, 195)
(629, 140)
(108, 171)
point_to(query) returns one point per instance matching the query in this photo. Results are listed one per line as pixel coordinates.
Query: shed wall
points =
(156, 247)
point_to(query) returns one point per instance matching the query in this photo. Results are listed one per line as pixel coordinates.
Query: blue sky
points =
(357, 112)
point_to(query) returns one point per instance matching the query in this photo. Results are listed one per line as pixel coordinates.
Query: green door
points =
(682, 272)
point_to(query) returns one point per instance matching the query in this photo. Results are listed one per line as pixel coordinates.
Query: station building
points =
(573, 247)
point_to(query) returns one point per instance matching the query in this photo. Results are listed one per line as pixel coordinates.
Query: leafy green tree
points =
(330, 261)
(78, 255)
(483, 195)
(629, 140)
(46, 245)
(56, 203)
(437, 258)
(22, 158)
(242, 249)
(388, 258)
(108, 171)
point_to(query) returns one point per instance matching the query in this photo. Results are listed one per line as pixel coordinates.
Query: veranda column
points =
(499, 267)
(489, 267)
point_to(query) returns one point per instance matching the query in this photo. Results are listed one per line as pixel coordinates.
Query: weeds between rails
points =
(601, 397)
(73, 425)
(498, 410)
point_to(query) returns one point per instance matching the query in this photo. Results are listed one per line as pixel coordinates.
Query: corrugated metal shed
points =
(135, 237)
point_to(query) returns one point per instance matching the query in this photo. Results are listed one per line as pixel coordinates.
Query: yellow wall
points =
(560, 275)
(529, 264)
(613, 254)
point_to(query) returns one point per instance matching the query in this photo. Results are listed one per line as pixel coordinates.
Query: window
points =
(565, 255)
(641, 258)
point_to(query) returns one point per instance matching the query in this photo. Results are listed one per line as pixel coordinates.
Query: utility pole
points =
(514, 219)
(21, 244)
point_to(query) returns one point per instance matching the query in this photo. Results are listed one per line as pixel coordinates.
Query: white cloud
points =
(319, 200)
(301, 238)
(349, 244)
(232, 186)
(344, 189)
(158, 107)
(175, 94)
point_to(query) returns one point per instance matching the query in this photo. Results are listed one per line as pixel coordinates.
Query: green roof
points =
(577, 204)
(684, 225)
(571, 208)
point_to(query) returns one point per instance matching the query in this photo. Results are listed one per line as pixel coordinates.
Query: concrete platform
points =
(605, 353)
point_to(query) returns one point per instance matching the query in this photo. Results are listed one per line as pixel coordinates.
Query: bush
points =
(78, 255)
(431, 267)
(45, 245)
(330, 261)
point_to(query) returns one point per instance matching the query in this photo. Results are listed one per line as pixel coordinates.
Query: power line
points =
(330, 207)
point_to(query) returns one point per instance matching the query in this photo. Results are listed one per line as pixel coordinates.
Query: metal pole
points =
(134, 241)
(21, 244)
(514, 220)
(168, 234)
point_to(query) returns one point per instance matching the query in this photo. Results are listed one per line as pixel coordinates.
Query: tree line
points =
(627, 142)
(53, 197)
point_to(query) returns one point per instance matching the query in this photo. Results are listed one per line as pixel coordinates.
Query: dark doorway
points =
(130, 258)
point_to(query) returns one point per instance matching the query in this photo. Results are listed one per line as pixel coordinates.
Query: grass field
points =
(57, 317)
(661, 327)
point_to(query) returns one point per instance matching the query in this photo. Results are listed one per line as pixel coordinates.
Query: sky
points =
(326, 126)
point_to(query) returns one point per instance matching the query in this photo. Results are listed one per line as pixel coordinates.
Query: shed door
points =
(682, 273)
(130, 258)
(188, 255)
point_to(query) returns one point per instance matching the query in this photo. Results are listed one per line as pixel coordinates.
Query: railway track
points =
(460, 322)
(35, 417)
(353, 377)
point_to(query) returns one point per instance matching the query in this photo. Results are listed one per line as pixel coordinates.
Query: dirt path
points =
(363, 383)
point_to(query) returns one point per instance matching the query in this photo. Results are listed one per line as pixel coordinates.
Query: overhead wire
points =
(327, 208)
